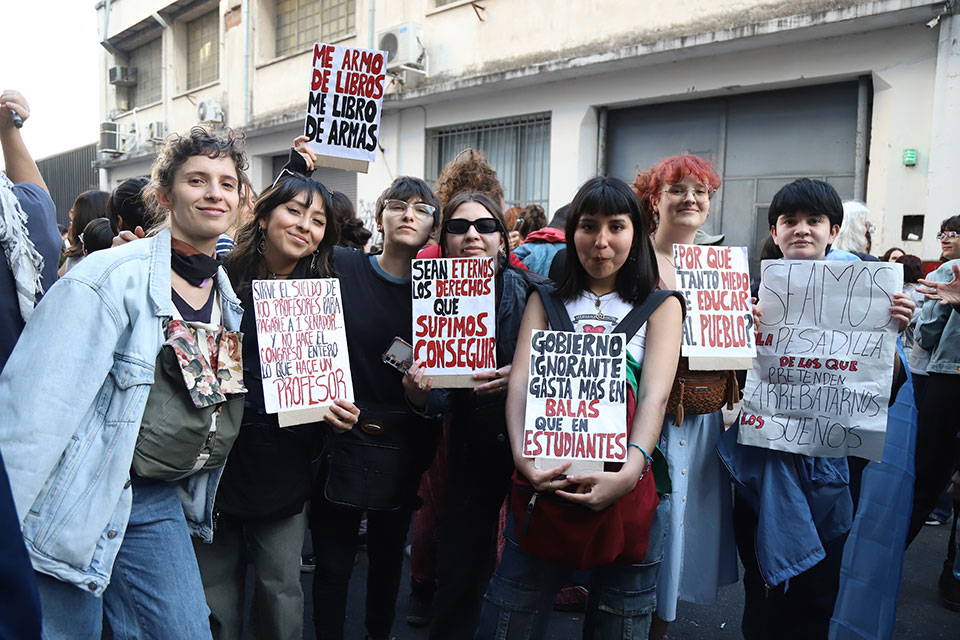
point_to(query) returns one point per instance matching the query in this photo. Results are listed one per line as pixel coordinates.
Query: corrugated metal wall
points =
(67, 175)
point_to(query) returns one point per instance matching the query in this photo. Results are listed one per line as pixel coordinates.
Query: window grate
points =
(517, 148)
(149, 87)
(203, 50)
(301, 23)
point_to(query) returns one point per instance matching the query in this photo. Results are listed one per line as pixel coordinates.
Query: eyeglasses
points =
(459, 226)
(679, 192)
(950, 235)
(399, 207)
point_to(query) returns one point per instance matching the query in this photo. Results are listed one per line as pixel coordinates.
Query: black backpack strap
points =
(557, 314)
(556, 265)
(632, 322)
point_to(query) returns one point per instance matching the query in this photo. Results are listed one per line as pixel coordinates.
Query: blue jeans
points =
(155, 589)
(622, 598)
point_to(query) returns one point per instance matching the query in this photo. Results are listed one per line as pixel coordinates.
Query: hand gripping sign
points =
(344, 105)
(303, 347)
(820, 384)
(576, 398)
(454, 318)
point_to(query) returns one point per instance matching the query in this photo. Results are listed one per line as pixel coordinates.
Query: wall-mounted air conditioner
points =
(156, 131)
(210, 110)
(403, 44)
(110, 138)
(123, 76)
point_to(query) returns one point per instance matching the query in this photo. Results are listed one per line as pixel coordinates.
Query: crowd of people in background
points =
(113, 522)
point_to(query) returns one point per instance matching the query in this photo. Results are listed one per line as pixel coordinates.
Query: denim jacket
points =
(72, 397)
(938, 328)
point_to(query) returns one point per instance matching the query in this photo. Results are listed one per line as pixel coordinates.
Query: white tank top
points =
(587, 318)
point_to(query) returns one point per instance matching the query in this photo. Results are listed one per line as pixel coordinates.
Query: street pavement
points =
(920, 616)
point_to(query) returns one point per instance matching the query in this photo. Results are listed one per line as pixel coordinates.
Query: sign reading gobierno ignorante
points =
(826, 341)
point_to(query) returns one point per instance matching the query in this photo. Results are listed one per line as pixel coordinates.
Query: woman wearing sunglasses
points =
(376, 466)
(268, 477)
(700, 553)
(478, 447)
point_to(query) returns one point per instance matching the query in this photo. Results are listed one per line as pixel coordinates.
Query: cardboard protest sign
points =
(454, 318)
(303, 347)
(343, 109)
(576, 397)
(825, 347)
(718, 328)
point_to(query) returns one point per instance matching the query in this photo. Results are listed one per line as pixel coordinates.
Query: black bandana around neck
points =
(190, 264)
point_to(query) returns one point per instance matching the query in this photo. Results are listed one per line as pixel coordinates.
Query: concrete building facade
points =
(863, 94)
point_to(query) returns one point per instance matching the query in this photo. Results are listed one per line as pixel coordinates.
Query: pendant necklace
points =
(599, 315)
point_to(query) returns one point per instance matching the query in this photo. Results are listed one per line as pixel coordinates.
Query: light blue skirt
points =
(700, 553)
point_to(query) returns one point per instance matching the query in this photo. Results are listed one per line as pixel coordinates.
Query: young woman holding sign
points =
(478, 445)
(700, 554)
(614, 271)
(104, 539)
(268, 477)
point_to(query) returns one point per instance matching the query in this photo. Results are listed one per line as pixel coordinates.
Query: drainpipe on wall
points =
(245, 19)
(371, 18)
(602, 142)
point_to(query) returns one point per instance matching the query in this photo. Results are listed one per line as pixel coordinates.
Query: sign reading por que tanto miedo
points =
(718, 332)
(302, 343)
(576, 400)
(454, 318)
(820, 384)
(344, 105)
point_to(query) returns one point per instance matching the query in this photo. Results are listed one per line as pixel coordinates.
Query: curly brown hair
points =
(197, 142)
(469, 171)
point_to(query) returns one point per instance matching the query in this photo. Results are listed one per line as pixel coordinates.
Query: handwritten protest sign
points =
(576, 397)
(718, 328)
(825, 347)
(454, 318)
(303, 347)
(343, 109)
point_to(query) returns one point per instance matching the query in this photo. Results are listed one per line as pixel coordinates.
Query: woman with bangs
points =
(268, 477)
(701, 553)
(610, 270)
(477, 443)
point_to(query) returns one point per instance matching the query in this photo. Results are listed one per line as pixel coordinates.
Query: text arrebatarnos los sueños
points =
(301, 342)
(825, 345)
(576, 397)
(454, 314)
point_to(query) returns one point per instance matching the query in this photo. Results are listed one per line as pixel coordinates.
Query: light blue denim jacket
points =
(71, 399)
(938, 328)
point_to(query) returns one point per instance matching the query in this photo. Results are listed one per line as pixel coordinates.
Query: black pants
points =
(334, 530)
(478, 479)
(800, 612)
(937, 426)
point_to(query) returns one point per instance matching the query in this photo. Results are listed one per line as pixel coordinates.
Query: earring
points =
(313, 261)
(263, 240)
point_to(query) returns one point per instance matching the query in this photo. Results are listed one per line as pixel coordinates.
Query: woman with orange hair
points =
(700, 554)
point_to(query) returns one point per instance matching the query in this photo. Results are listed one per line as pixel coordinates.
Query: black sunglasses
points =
(459, 226)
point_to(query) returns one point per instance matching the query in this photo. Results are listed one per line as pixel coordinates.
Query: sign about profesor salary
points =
(302, 342)
(826, 341)
(344, 104)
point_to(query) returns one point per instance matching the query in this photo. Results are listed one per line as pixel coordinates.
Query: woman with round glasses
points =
(376, 466)
(478, 446)
(938, 333)
(700, 553)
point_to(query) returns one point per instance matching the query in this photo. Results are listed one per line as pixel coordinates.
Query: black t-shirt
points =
(377, 307)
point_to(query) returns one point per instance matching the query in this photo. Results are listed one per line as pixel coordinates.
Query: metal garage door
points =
(758, 141)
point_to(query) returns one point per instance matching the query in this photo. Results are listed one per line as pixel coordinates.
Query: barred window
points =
(517, 148)
(440, 3)
(203, 50)
(301, 23)
(149, 87)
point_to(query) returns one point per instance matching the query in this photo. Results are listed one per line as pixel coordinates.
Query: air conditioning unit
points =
(156, 131)
(123, 76)
(110, 138)
(403, 44)
(210, 110)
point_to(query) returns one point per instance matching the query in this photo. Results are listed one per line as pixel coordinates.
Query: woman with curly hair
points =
(103, 538)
